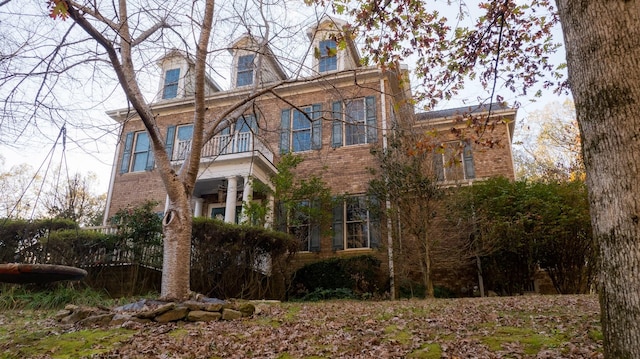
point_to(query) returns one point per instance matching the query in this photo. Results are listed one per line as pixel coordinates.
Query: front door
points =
(217, 211)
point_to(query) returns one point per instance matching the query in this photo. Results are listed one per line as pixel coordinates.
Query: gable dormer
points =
(178, 77)
(247, 52)
(333, 46)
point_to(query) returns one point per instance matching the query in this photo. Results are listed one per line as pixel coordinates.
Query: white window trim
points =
(461, 162)
(291, 130)
(346, 222)
(346, 121)
(134, 153)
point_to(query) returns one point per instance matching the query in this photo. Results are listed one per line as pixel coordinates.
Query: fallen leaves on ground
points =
(508, 327)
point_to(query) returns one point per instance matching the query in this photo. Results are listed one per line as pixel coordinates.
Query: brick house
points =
(332, 118)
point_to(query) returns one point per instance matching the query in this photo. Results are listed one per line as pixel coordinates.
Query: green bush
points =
(21, 238)
(237, 261)
(325, 294)
(361, 274)
(443, 292)
(408, 288)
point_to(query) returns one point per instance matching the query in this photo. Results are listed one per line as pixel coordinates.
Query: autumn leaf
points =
(58, 9)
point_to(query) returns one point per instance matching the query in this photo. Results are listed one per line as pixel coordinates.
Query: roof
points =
(247, 41)
(462, 111)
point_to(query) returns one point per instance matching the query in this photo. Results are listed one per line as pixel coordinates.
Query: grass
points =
(531, 340)
(77, 344)
(54, 296)
(427, 351)
(425, 329)
(394, 333)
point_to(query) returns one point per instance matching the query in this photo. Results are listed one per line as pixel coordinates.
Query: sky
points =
(91, 148)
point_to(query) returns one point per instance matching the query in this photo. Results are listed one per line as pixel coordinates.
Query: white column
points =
(230, 205)
(197, 209)
(247, 195)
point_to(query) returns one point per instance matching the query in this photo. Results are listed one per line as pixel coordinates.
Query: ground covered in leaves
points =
(509, 327)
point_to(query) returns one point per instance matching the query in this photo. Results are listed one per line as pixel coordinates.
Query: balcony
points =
(222, 145)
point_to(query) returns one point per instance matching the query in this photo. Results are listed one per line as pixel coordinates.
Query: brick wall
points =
(344, 169)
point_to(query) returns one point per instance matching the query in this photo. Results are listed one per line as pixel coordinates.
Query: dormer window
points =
(328, 60)
(171, 78)
(245, 70)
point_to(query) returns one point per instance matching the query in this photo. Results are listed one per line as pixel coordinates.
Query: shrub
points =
(325, 294)
(20, 239)
(237, 261)
(361, 274)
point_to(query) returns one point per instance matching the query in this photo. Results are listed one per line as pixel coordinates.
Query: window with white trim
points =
(244, 76)
(355, 224)
(354, 122)
(178, 141)
(171, 79)
(137, 155)
(327, 56)
(453, 161)
(301, 129)
(299, 225)
(298, 220)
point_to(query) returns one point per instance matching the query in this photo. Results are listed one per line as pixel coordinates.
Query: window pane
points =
(328, 60)
(185, 133)
(141, 152)
(357, 235)
(300, 120)
(453, 161)
(245, 70)
(357, 226)
(171, 83)
(246, 123)
(301, 141)
(355, 129)
(299, 225)
(301, 130)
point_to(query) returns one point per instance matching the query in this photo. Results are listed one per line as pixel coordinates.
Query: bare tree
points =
(18, 191)
(125, 38)
(551, 149)
(409, 182)
(72, 197)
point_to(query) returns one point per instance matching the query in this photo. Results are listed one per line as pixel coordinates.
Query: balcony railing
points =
(238, 142)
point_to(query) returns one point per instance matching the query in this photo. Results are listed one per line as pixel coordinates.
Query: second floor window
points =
(328, 59)
(453, 161)
(245, 70)
(354, 122)
(171, 78)
(137, 155)
(301, 129)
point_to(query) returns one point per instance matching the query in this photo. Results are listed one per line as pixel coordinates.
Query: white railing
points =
(102, 229)
(224, 145)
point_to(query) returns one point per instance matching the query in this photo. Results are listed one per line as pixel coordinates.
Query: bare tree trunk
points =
(428, 280)
(176, 264)
(480, 279)
(603, 56)
(177, 223)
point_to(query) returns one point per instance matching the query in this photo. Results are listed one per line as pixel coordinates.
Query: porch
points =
(230, 164)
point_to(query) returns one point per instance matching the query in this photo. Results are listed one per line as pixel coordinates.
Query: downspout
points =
(112, 179)
(383, 109)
